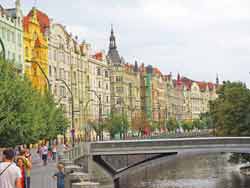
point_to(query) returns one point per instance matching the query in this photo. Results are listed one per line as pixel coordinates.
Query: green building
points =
(11, 33)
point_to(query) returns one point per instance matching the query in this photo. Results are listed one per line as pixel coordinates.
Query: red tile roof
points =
(98, 56)
(25, 23)
(43, 19)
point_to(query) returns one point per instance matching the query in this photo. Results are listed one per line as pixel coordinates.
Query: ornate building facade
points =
(35, 26)
(98, 87)
(11, 33)
(125, 83)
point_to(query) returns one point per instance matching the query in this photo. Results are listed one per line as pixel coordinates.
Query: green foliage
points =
(206, 121)
(230, 112)
(117, 124)
(172, 124)
(187, 125)
(26, 116)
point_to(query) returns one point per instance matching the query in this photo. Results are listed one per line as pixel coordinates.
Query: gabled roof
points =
(98, 56)
(25, 23)
(43, 19)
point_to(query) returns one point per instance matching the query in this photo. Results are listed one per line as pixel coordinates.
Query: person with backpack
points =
(10, 174)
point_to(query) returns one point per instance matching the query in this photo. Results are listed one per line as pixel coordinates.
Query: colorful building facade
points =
(11, 33)
(125, 83)
(36, 27)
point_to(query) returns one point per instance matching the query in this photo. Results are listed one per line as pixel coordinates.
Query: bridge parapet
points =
(76, 152)
(168, 145)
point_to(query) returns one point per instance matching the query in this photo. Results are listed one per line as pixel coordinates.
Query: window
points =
(61, 73)
(98, 71)
(106, 74)
(50, 72)
(107, 99)
(54, 55)
(55, 72)
(119, 89)
(19, 59)
(119, 101)
(99, 84)
(118, 78)
(75, 76)
(13, 37)
(55, 90)
(34, 36)
(8, 35)
(4, 33)
(35, 71)
(62, 91)
(107, 86)
(19, 40)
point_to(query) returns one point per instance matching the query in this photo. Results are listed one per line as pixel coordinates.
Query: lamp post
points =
(43, 72)
(84, 110)
(72, 111)
(100, 113)
(3, 49)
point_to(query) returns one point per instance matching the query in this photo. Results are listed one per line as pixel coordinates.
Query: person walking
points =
(10, 174)
(44, 151)
(54, 152)
(26, 156)
(59, 176)
(20, 164)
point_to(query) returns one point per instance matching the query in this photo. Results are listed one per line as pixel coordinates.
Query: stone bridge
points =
(101, 156)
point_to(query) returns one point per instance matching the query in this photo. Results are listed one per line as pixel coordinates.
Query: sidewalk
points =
(41, 176)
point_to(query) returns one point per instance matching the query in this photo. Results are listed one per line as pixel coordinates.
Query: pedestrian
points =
(59, 176)
(10, 174)
(54, 152)
(28, 166)
(44, 151)
(39, 151)
(20, 164)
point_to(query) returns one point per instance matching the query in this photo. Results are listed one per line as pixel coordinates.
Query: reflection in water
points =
(205, 171)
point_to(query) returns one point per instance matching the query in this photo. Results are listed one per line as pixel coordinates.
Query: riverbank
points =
(245, 170)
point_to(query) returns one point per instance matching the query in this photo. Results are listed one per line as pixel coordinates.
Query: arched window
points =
(26, 51)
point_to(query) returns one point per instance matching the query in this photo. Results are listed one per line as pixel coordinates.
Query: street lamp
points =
(100, 112)
(3, 49)
(84, 112)
(43, 72)
(72, 111)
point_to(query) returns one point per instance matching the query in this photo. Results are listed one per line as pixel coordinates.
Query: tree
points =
(206, 120)
(117, 124)
(187, 125)
(26, 116)
(172, 124)
(140, 124)
(230, 112)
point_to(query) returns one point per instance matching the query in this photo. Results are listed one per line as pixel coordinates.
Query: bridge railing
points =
(75, 152)
(174, 135)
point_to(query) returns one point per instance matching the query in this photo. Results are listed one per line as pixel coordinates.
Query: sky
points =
(196, 38)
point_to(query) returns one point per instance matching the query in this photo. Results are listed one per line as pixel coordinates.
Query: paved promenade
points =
(41, 176)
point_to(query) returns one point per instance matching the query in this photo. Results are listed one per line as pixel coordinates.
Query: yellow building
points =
(35, 26)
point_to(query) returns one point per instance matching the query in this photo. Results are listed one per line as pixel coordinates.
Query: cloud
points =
(197, 38)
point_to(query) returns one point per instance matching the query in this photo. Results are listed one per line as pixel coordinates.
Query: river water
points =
(202, 171)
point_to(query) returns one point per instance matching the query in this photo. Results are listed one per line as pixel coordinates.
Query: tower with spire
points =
(113, 53)
(217, 80)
